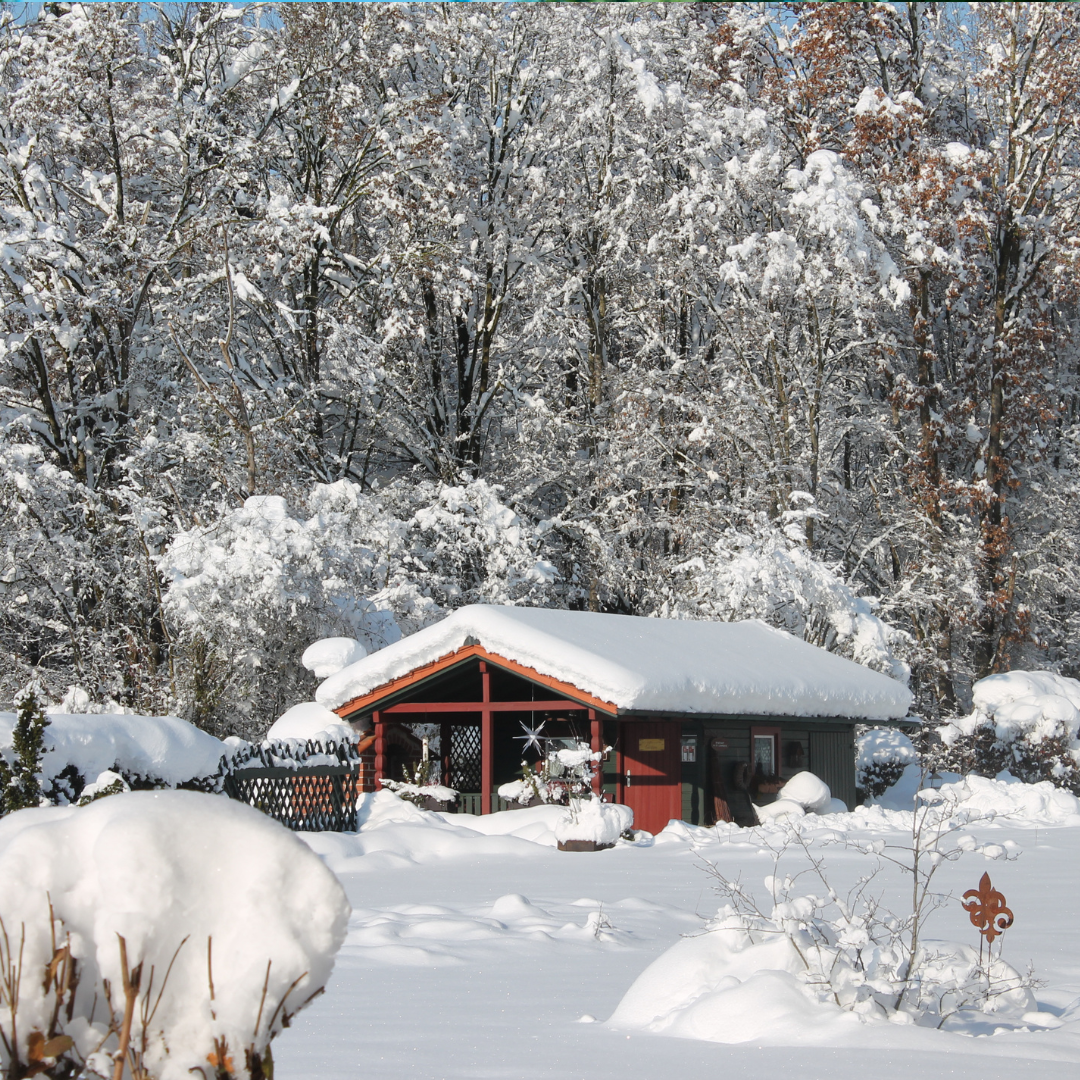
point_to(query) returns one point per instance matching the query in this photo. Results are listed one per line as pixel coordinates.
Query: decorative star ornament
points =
(531, 737)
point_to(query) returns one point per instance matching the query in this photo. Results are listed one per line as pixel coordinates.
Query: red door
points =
(651, 771)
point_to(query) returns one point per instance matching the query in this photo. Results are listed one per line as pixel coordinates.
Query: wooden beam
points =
(597, 745)
(380, 748)
(365, 702)
(547, 705)
(487, 742)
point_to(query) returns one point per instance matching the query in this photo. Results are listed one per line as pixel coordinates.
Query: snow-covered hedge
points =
(230, 920)
(1023, 722)
(881, 756)
(148, 751)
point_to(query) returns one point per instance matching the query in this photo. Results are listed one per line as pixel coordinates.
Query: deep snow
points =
(647, 664)
(476, 949)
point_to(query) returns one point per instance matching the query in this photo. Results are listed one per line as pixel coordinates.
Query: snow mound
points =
(722, 986)
(780, 810)
(1009, 798)
(768, 980)
(809, 791)
(176, 873)
(161, 748)
(1004, 797)
(329, 655)
(308, 720)
(600, 822)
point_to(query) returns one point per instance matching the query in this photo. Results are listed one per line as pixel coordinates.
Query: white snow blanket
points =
(158, 868)
(646, 664)
(159, 747)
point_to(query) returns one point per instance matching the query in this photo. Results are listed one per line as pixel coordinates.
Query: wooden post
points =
(620, 761)
(444, 743)
(380, 748)
(597, 746)
(487, 743)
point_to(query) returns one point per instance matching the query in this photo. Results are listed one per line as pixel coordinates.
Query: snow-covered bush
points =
(594, 820)
(850, 950)
(422, 785)
(1023, 722)
(177, 930)
(147, 751)
(881, 756)
(751, 975)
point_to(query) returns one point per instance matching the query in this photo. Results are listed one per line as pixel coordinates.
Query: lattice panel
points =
(316, 800)
(465, 758)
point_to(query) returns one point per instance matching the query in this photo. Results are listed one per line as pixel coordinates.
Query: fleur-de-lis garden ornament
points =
(987, 910)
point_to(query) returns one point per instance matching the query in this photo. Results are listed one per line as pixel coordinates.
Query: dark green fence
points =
(321, 798)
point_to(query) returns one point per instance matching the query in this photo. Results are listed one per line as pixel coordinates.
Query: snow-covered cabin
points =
(700, 715)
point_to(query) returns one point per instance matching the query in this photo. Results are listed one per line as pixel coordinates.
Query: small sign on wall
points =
(650, 746)
(719, 744)
(689, 748)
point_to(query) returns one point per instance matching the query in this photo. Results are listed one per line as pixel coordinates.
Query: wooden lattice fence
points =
(319, 798)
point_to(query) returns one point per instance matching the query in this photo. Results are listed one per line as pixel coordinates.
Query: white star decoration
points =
(531, 736)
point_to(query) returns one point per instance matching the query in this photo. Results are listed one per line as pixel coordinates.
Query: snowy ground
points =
(477, 956)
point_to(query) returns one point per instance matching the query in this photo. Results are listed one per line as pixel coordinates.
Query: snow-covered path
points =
(478, 958)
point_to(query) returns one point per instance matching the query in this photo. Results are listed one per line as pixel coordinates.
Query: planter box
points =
(436, 804)
(583, 845)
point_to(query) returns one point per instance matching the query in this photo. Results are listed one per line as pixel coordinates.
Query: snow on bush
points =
(592, 819)
(881, 756)
(1026, 722)
(783, 979)
(157, 751)
(213, 922)
(306, 721)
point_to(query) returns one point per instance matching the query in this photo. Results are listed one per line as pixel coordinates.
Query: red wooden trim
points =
(366, 701)
(487, 742)
(597, 746)
(380, 749)
(547, 705)
(444, 744)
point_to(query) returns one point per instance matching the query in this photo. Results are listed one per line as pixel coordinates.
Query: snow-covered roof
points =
(639, 664)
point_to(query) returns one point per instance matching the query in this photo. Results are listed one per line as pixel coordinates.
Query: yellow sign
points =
(645, 746)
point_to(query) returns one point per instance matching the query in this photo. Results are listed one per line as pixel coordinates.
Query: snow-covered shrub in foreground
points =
(881, 756)
(758, 977)
(228, 925)
(815, 956)
(1026, 722)
(592, 819)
